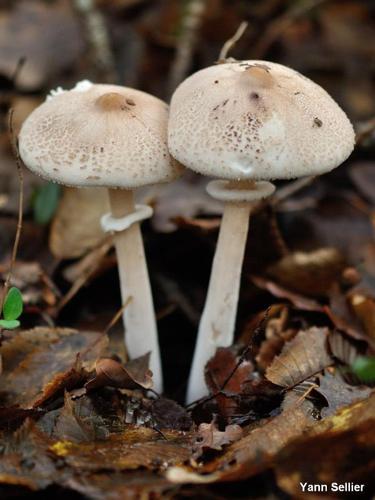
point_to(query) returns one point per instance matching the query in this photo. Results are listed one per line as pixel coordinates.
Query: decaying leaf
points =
(136, 447)
(305, 355)
(251, 454)
(338, 393)
(299, 301)
(41, 363)
(134, 375)
(339, 449)
(308, 273)
(76, 226)
(225, 374)
(209, 436)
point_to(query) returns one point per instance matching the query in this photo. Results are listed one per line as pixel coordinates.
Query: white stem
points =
(139, 317)
(217, 324)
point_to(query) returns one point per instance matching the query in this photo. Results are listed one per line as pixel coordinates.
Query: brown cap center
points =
(112, 101)
(258, 76)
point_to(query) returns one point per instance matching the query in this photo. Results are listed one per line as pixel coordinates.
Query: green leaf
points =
(364, 368)
(9, 324)
(13, 304)
(45, 202)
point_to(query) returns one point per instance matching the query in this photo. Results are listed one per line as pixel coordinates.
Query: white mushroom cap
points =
(99, 135)
(256, 120)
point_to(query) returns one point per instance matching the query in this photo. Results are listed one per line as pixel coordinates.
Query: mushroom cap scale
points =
(256, 120)
(99, 135)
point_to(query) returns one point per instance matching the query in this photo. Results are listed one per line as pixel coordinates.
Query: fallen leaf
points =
(303, 356)
(308, 273)
(136, 447)
(338, 393)
(364, 308)
(209, 436)
(134, 375)
(278, 291)
(225, 374)
(41, 363)
(339, 449)
(76, 226)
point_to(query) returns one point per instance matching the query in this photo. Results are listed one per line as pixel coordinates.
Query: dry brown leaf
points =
(209, 436)
(76, 226)
(41, 363)
(338, 393)
(134, 375)
(305, 355)
(339, 449)
(364, 308)
(250, 455)
(278, 291)
(308, 273)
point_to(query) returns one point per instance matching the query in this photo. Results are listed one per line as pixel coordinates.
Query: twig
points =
(13, 142)
(290, 189)
(280, 24)
(118, 315)
(229, 44)
(248, 348)
(94, 258)
(190, 25)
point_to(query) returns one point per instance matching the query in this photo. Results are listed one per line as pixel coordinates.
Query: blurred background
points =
(153, 45)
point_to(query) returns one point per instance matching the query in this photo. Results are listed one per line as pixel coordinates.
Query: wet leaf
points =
(303, 356)
(39, 364)
(136, 447)
(339, 449)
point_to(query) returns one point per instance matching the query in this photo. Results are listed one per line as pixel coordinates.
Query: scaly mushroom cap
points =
(99, 135)
(256, 120)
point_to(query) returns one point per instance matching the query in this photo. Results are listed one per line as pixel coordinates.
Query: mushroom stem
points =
(139, 316)
(217, 324)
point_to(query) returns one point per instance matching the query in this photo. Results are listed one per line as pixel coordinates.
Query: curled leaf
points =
(304, 356)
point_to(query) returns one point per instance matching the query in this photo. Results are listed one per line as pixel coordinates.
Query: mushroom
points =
(114, 137)
(248, 122)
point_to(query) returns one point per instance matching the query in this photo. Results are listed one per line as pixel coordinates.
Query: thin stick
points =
(13, 142)
(118, 315)
(260, 327)
(229, 44)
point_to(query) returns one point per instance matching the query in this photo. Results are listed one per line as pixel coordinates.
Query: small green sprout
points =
(12, 309)
(364, 368)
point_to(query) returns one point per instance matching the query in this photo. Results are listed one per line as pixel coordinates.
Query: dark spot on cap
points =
(216, 81)
(254, 95)
(317, 122)
(224, 102)
(296, 93)
(130, 102)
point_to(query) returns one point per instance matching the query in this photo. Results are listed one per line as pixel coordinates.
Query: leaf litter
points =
(283, 402)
